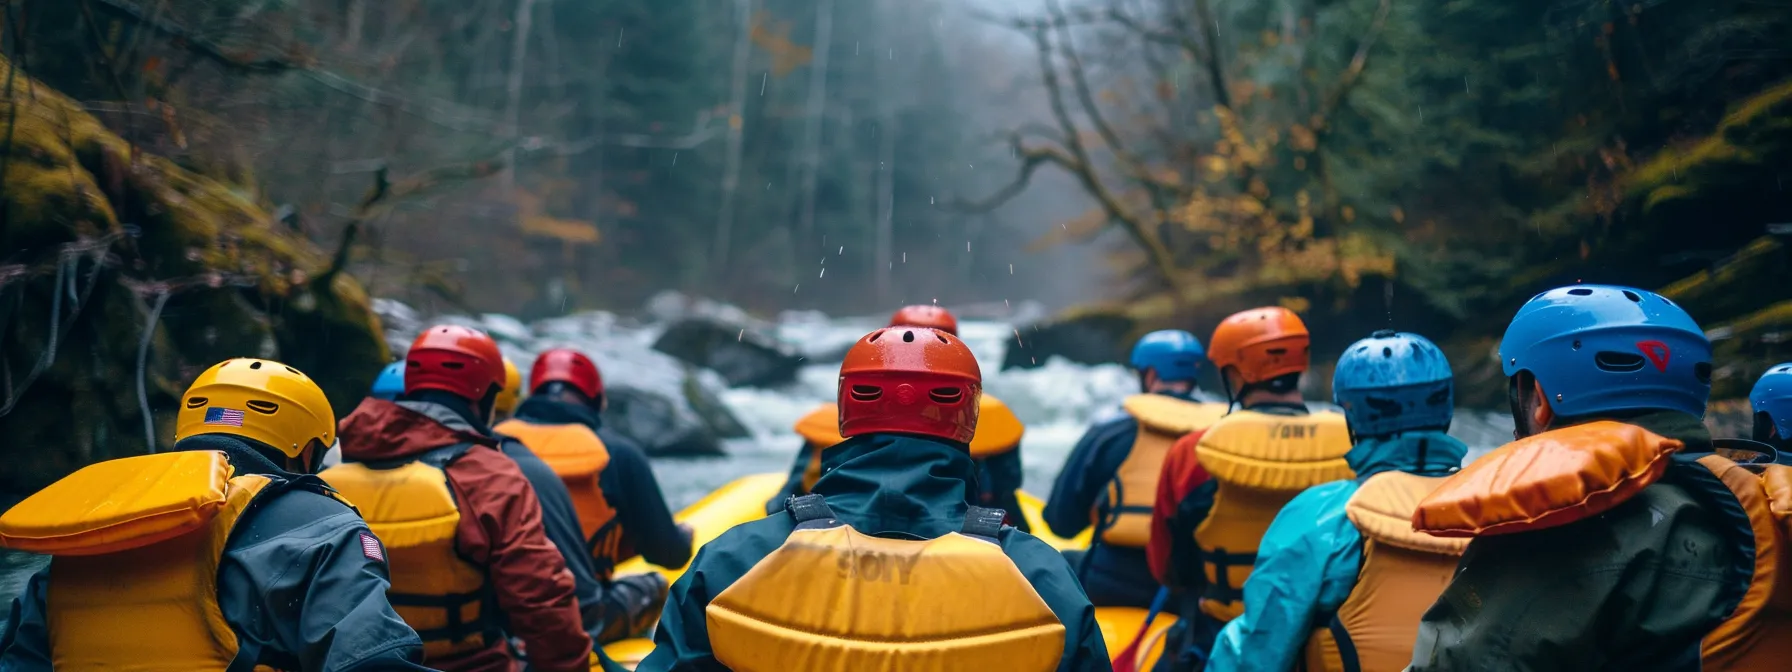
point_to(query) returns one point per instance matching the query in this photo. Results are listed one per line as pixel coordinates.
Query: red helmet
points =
(1260, 344)
(565, 365)
(925, 316)
(913, 380)
(456, 359)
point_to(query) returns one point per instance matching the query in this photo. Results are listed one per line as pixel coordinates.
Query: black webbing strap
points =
(1222, 590)
(982, 523)
(457, 629)
(811, 512)
(1346, 646)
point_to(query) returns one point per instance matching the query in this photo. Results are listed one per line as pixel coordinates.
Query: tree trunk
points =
(817, 113)
(519, 49)
(737, 97)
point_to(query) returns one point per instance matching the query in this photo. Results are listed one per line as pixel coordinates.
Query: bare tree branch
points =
(1353, 72)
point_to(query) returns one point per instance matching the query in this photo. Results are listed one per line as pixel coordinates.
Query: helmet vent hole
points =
(255, 365)
(1575, 345)
(946, 395)
(293, 371)
(942, 338)
(1387, 351)
(1383, 333)
(265, 407)
(1277, 352)
(196, 402)
(1702, 371)
(874, 337)
(1632, 296)
(1618, 362)
(866, 393)
(1581, 291)
(453, 365)
(908, 337)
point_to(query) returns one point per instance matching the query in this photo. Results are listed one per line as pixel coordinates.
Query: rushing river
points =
(1057, 401)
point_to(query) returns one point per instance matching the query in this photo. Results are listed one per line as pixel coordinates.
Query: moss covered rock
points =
(123, 276)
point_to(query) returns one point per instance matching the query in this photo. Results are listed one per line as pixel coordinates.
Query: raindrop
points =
(842, 250)
(619, 37)
(905, 257)
(855, 48)
(930, 200)
(967, 246)
(1017, 337)
(823, 274)
(797, 287)
(762, 78)
(675, 158)
(741, 335)
(1005, 303)
(1010, 272)
(892, 54)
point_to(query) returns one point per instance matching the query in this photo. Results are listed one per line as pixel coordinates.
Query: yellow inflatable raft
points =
(743, 500)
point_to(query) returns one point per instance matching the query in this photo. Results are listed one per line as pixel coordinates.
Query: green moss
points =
(1754, 134)
(238, 285)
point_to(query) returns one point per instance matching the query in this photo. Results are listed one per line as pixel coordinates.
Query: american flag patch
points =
(218, 415)
(370, 547)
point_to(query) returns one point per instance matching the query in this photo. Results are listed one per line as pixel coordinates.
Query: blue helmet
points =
(1394, 382)
(1601, 348)
(390, 383)
(1772, 398)
(1174, 354)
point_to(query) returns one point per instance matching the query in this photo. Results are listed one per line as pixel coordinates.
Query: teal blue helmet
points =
(390, 382)
(1394, 382)
(1772, 402)
(1174, 354)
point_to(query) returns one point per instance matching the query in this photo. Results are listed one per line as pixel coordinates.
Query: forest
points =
(184, 181)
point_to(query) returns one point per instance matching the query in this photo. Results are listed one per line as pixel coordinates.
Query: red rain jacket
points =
(500, 529)
(1181, 474)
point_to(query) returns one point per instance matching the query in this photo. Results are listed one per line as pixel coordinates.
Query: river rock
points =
(1094, 337)
(742, 354)
(668, 407)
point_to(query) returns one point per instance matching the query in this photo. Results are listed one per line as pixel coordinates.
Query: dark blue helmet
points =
(1394, 382)
(1174, 354)
(390, 382)
(1772, 401)
(1600, 348)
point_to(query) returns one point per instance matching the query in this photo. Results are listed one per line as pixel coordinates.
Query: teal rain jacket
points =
(886, 485)
(1309, 559)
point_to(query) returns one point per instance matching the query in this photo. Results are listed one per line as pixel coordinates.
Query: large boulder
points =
(670, 408)
(742, 354)
(125, 276)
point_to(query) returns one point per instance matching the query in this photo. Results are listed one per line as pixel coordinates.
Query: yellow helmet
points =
(257, 399)
(513, 389)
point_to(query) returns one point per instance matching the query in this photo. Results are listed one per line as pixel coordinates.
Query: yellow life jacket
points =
(578, 457)
(1122, 516)
(998, 431)
(1258, 462)
(411, 508)
(1402, 574)
(831, 599)
(136, 544)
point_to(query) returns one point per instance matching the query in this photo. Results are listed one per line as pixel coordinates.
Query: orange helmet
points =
(913, 380)
(1259, 344)
(925, 316)
(456, 359)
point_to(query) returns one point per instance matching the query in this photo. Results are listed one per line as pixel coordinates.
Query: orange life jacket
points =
(1122, 516)
(579, 457)
(1573, 473)
(1259, 462)
(411, 508)
(998, 431)
(835, 600)
(135, 546)
(1402, 574)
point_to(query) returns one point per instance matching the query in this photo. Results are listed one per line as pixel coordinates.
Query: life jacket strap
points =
(811, 512)
(1222, 590)
(984, 524)
(451, 604)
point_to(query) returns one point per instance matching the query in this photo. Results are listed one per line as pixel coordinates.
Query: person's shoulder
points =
(297, 512)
